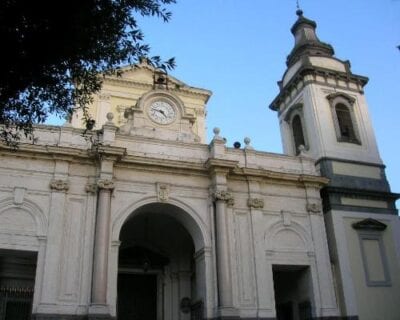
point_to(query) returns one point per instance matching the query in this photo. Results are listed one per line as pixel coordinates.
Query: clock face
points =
(162, 112)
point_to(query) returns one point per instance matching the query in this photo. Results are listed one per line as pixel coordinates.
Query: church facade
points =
(139, 218)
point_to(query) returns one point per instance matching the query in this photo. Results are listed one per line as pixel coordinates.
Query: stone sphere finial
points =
(110, 116)
(247, 141)
(217, 137)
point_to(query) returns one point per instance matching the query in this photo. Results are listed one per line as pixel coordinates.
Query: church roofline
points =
(178, 84)
(184, 88)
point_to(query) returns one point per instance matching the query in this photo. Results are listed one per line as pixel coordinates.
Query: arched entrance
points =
(157, 270)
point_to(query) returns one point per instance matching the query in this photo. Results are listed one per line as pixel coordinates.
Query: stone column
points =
(101, 243)
(222, 198)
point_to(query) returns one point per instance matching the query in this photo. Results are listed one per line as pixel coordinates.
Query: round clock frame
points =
(162, 112)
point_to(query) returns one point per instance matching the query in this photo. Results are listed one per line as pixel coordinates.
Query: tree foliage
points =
(54, 51)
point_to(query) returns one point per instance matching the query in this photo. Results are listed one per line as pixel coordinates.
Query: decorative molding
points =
(105, 184)
(314, 208)
(91, 187)
(296, 108)
(346, 100)
(269, 252)
(59, 185)
(183, 88)
(299, 80)
(256, 203)
(331, 97)
(200, 112)
(104, 96)
(163, 191)
(224, 196)
(286, 218)
(376, 253)
(369, 224)
(19, 195)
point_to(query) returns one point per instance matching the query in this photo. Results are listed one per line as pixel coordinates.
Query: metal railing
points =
(15, 303)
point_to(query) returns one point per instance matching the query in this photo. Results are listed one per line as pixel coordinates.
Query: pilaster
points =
(219, 168)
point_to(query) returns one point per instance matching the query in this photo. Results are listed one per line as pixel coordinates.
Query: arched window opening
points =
(298, 134)
(345, 123)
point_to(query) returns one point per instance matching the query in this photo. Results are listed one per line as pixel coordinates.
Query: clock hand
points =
(161, 111)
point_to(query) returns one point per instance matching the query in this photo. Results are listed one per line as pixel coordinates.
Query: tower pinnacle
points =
(306, 40)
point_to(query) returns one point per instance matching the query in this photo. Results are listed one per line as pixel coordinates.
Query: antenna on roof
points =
(297, 5)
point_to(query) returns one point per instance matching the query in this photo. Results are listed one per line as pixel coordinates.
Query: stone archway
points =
(159, 275)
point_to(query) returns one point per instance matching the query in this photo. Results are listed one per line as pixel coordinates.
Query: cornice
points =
(129, 83)
(63, 153)
(282, 176)
(47, 152)
(373, 194)
(162, 163)
(213, 163)
(371, 164)
(369, 224)
(314, 71)
(108, 151)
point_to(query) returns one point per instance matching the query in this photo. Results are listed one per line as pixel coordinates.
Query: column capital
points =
(106, 184)
(256, 203)
(314, 208)
(223, 195)
(59, 185)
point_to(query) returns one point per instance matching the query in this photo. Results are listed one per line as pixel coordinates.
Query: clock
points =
(161, 112)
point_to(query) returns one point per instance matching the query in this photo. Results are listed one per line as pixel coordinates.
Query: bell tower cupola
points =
(306, 40)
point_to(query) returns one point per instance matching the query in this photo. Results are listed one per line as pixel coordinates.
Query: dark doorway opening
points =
(17, 280)
(293, 288)
(140, 303)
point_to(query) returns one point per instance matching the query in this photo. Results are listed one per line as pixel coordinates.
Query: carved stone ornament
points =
(314, 207)
(105, 184)
(59, 185)
(91, 188)
(256, 203)
(163, 192)
(19, 195)
(224, 196)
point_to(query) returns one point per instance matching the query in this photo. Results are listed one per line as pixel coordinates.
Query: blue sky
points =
(237, 49)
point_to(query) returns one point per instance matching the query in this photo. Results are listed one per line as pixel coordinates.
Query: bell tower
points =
(323, 114)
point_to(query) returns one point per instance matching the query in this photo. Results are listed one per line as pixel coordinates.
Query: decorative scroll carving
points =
(162, 192)
(314, 207)
(256, 203)
(105, 184)
(59, 185)
(91, 188)
(224, 196)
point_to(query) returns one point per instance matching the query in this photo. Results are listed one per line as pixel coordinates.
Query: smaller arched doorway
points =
(156, 268)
